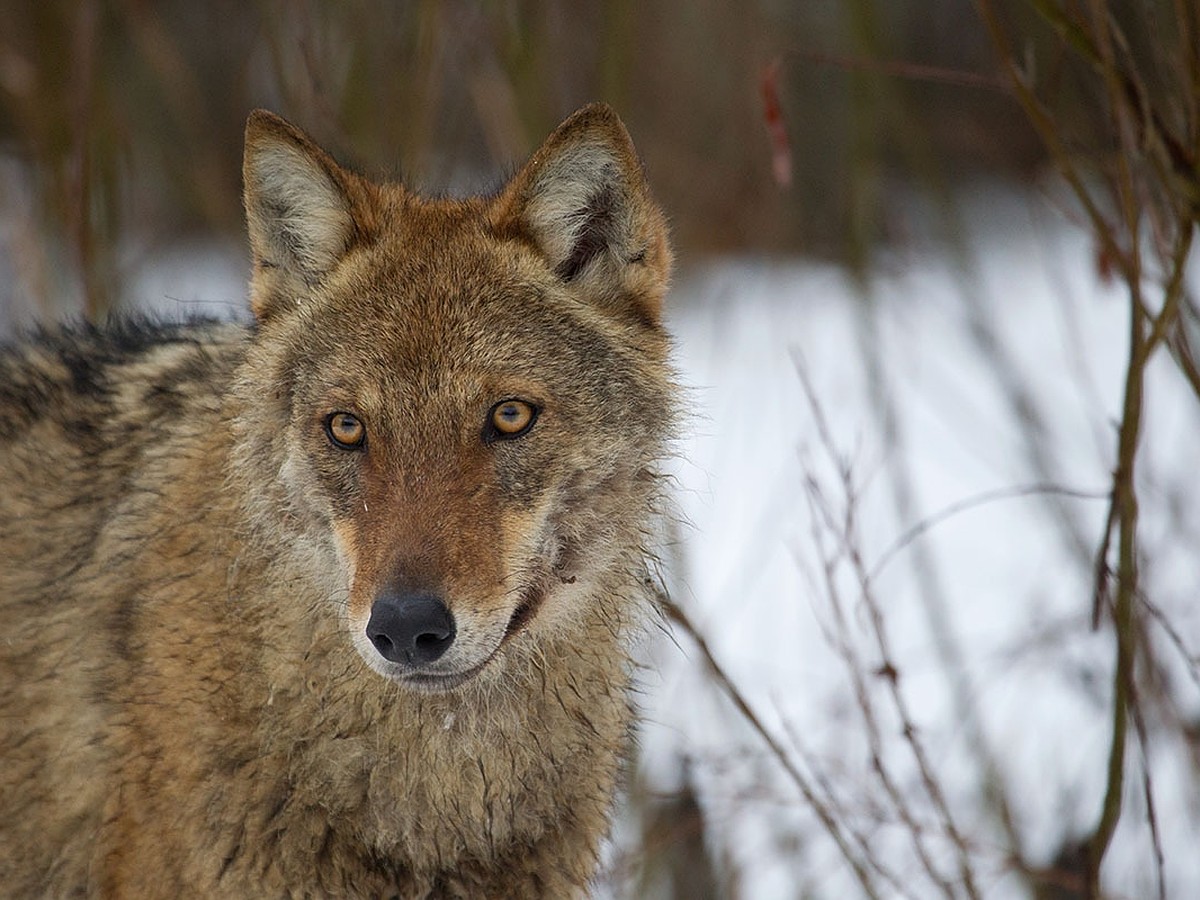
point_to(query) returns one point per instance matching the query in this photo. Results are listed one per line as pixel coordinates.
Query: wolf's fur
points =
(190, 705)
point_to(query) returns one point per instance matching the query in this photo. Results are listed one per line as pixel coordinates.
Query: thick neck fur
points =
(425, 778)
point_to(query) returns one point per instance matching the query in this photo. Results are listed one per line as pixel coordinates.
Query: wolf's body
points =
(455, 407)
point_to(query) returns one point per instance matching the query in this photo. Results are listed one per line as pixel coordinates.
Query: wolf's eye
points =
(345, 431)
(509, 419)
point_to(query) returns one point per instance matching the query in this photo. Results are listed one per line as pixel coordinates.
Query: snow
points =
(941, 379)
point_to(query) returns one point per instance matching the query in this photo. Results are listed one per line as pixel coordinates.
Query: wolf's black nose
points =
(413, 629)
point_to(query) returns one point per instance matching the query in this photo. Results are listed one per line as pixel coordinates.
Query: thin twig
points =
(872, 859)
(973, 502)
(1191, 660)
(1151, 129)
(676, 614)
(1126, 503)
(1047, 129)
(1139, 724)
(899, 68)
(824, 522)
(1125, 498)
(1101, 571)
(848, 538)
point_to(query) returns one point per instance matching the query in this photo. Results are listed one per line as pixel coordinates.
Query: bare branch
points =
(676, 614)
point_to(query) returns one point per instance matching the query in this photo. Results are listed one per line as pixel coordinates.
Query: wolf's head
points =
(460, 403)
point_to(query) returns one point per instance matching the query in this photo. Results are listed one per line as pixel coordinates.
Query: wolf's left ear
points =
(583, 203)
(303, 211)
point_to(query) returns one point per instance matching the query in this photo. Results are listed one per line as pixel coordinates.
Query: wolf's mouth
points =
(437, 683)
(525, 611)
(535, 594)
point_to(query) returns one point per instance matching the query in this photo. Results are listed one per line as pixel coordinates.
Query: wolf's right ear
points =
(303, 211)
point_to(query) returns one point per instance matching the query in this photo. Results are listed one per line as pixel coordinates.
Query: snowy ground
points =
(995, 373)
(951, 379)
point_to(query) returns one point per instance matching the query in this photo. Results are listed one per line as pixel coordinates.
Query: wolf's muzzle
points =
(410, 629)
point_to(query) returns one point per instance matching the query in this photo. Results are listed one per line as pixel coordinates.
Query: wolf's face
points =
(473, 396)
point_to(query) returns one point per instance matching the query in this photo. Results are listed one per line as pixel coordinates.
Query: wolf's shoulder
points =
(79, 372)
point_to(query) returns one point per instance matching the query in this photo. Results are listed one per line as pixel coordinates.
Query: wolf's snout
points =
(412, 629)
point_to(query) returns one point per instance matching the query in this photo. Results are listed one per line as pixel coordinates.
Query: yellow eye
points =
(345, 431)
(510, 419)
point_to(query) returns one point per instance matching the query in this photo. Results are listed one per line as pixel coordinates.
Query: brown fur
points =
(190, 705)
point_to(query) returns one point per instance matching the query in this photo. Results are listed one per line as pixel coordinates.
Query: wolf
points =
(340, 602)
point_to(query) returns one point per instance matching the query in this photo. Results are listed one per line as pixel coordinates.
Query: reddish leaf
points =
(781, 147)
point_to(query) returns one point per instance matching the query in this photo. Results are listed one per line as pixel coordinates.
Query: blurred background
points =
(934, 263)
(121, 122)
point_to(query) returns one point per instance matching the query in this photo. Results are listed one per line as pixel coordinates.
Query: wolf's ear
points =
(583, 203)
(303, 211)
